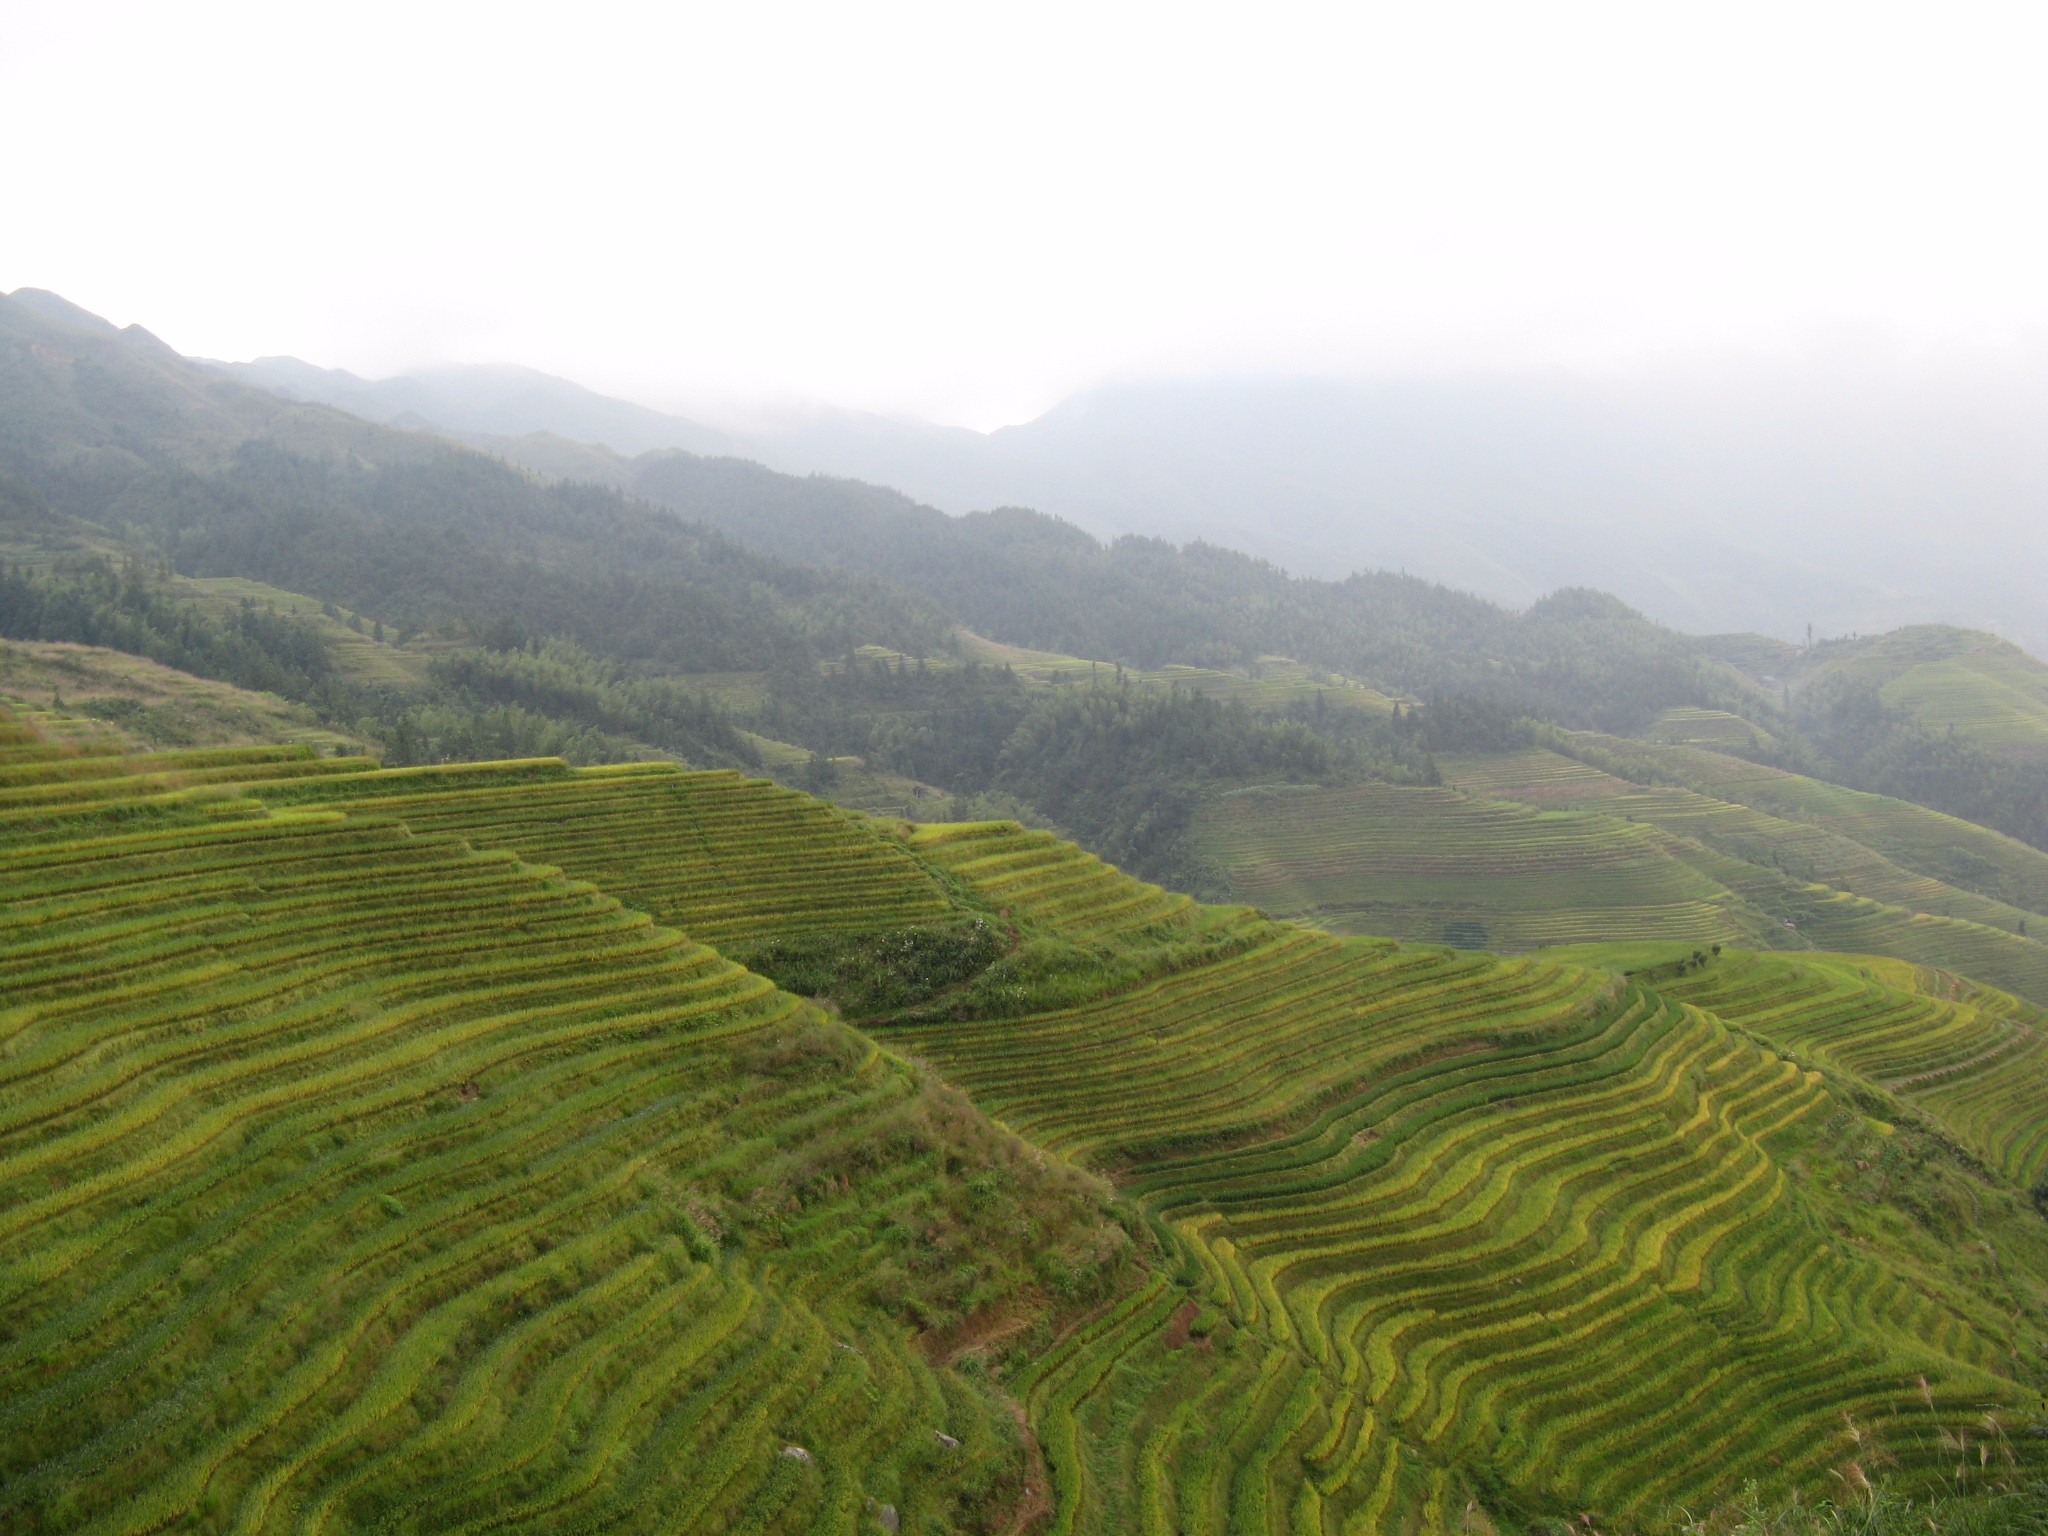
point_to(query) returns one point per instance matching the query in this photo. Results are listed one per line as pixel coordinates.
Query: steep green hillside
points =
(1469, 1224)
(1808, 851)
(1436, 865)
(1273, 683)
(364, 1164)
(1942, 847)
(152, 705)
(1819, 887)
(1972, 1059)
(1948, 718)
(1601, 859)
(1948, 679)
(722, 857)
(1686, 725)
(352, 1177)
(1042, 880)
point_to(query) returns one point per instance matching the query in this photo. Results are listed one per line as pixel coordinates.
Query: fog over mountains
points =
(1854, 494)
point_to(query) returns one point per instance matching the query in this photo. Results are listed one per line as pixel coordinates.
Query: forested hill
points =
(1036, 580)
(113, 429)
(688, 578)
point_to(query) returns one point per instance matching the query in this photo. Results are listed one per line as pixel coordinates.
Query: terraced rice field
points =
(1978, 685)
(363, 1167)
(1801, 850)
(1974, 1058)
(1276, 683)
(1043, 881)
(854, 785)
(50, 786)
(350, 638)
(724, 858)
(1832, 891)
(147, 705)
(1959, 853)
(1834, 921)
(1688, 725)
(1997, 698)
(1272, 683)
(1443, 867)
(351, 1178)
(1461, 1211)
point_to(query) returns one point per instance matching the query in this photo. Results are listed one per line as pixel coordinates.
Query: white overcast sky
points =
(967, 210)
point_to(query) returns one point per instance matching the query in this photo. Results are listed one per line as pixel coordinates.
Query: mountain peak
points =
(54, 306)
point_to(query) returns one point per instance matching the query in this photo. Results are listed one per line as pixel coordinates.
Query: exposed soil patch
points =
(1177, 1326)
(978, 1330)
(1035, 1507)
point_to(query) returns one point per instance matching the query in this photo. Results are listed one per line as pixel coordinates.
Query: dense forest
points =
(1846, 732)
(1581, 657)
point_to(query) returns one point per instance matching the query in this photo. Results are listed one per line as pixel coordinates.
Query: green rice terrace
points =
(1831, 869)
(1511, 1216)
(1439, 866)
(1932, 844)
(1270, 682)
(1964, 1055)
(430, 1150)
(1949, 679)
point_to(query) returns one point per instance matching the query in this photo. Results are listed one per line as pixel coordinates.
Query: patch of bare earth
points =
(978, 1330)
(1035, 1507)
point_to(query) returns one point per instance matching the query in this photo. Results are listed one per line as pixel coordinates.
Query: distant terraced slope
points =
(1950, 679)
(1439, 866)
(1999, 699)
(725, 858)
(1460, 1213)
(1688, 725)
(152, 705)
(351, 1178)
(1270, 683)
(1805, 850)
(1946, 848)
(1819, 885)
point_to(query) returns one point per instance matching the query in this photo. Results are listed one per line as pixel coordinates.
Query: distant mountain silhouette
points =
(1852, 500)
(496, 401)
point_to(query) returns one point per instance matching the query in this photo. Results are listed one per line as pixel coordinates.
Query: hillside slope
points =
(350, 1176)
(1972, 1059)
(1508, 1222)
(224, 480)
(482, 1198)
(1975, 684)
(1607, 858)
(152, 705)
(1025, 578)
(1443, 867)
(1928, 842)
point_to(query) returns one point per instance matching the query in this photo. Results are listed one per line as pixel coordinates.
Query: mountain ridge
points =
(1799, 498)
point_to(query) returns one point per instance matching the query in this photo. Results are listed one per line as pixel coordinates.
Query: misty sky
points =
(965, 211)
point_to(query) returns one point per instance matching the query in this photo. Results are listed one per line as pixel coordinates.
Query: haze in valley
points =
(1736, 313)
